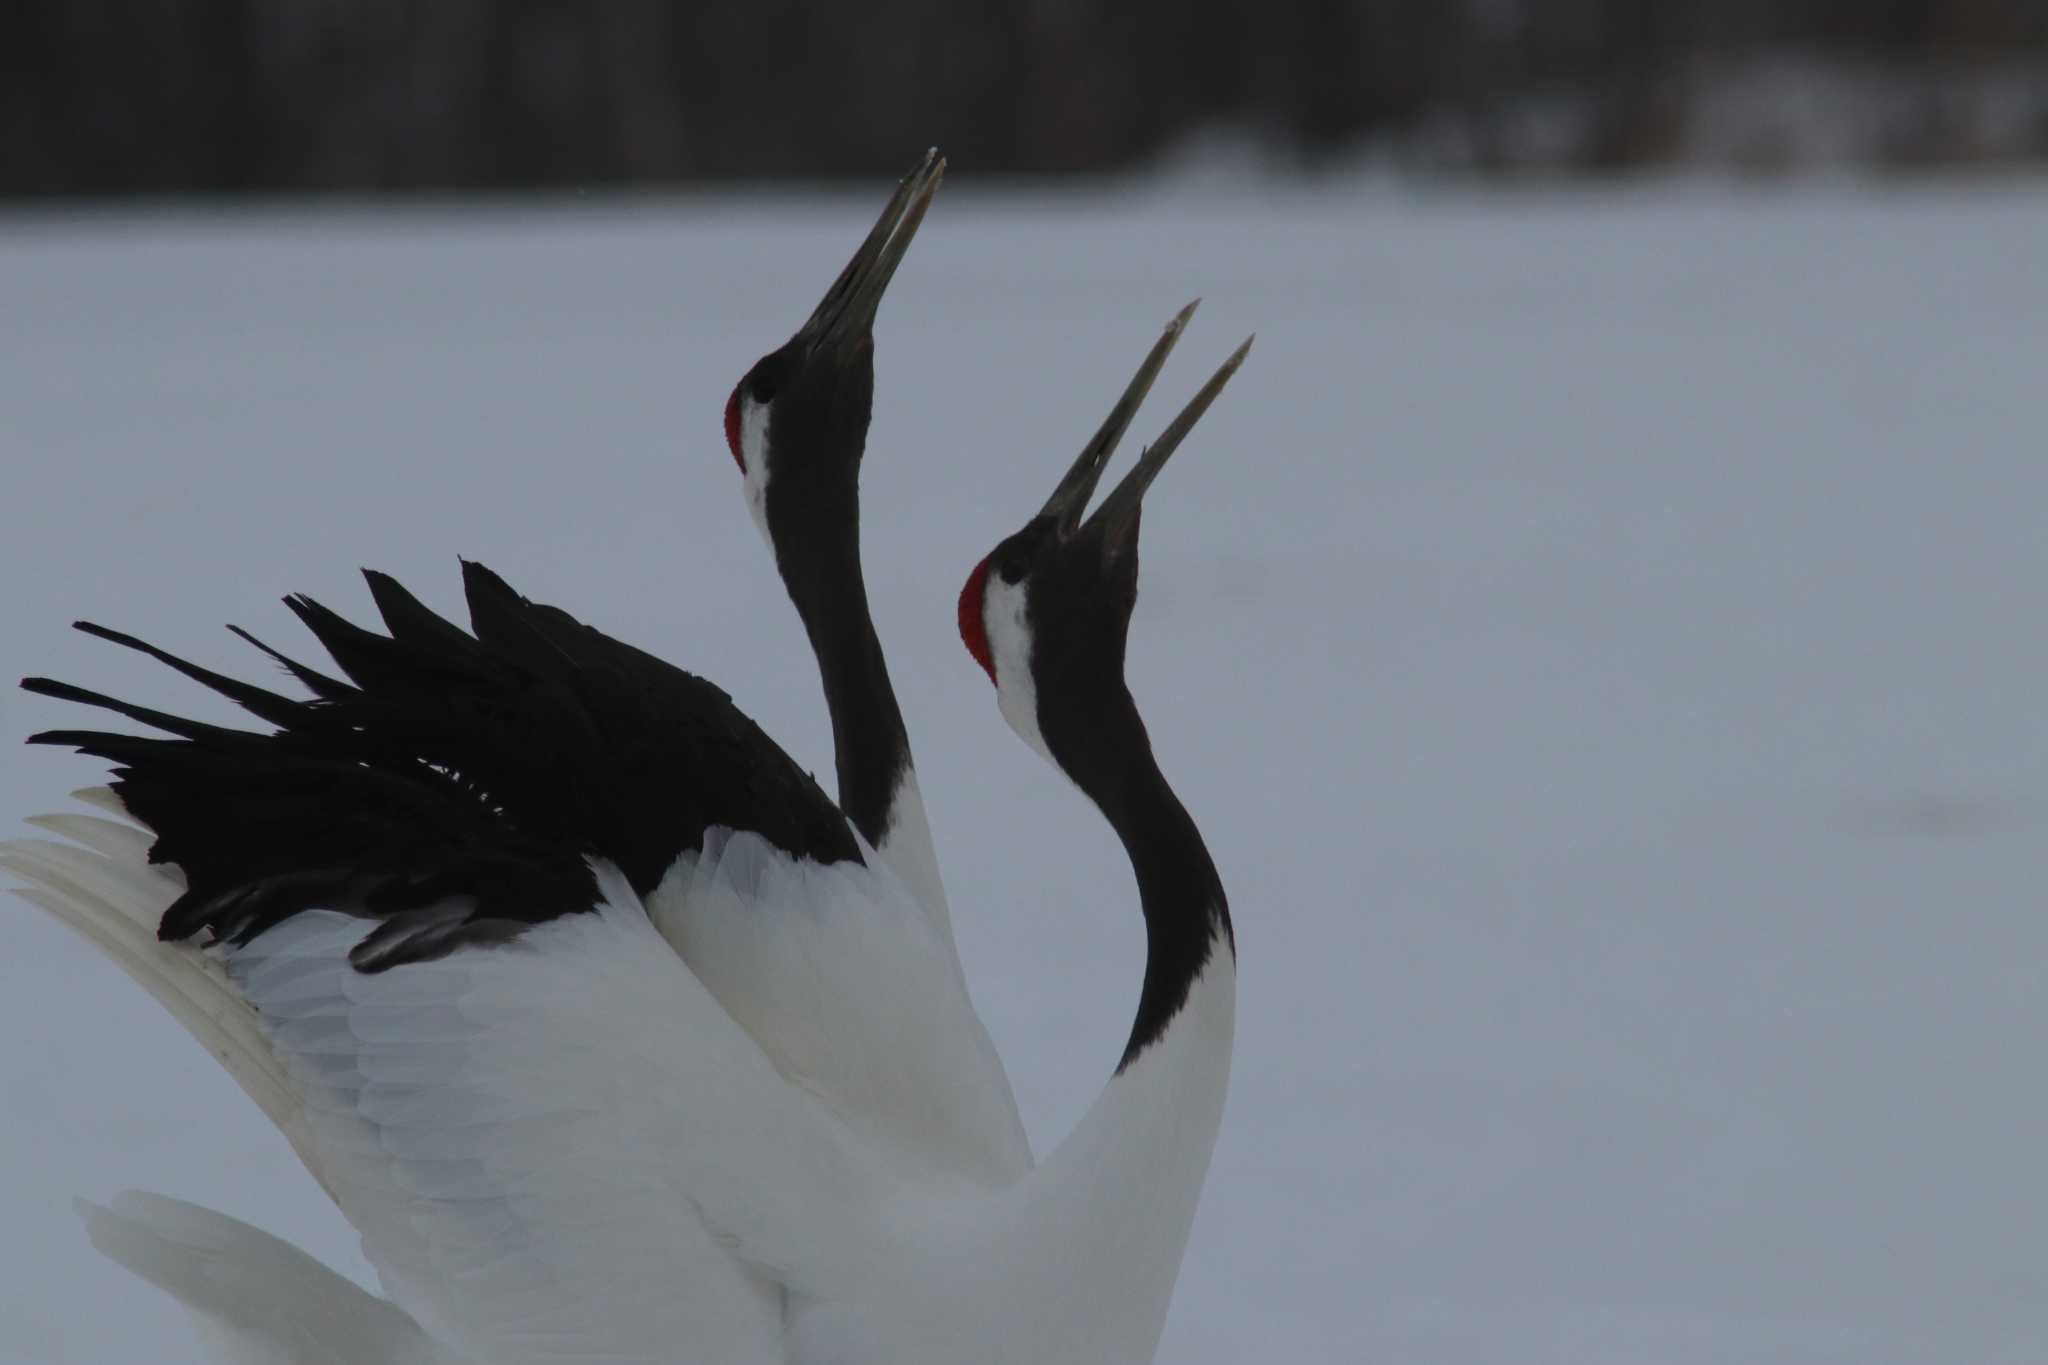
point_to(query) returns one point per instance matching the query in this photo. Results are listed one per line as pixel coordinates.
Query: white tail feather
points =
(253, 1297)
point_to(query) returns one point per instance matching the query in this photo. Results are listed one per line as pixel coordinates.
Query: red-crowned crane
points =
(797, 425)
(607, 1029)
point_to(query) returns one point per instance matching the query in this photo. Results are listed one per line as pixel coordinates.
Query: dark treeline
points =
(113, 97)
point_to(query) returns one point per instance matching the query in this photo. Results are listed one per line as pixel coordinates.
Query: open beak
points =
(1119, 511)
(847, 312)
(1070, 499)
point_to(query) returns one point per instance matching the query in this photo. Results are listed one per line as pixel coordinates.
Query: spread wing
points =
(455, 786)
(556, 1147)
(411, 920)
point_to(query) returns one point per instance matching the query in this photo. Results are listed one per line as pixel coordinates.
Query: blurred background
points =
(1600, 631)
(194, 96)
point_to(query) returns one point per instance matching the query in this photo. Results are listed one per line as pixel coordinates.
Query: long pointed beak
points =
(847, 312)
(1070, 499)
(1119, 512)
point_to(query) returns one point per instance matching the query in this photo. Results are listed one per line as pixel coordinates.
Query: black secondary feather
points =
(454, 785)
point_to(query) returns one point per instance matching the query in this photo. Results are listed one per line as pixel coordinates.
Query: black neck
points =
(1185, 909)
(871, 749)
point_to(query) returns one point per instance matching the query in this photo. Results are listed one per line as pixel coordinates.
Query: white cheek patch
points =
(754, 456)
(1009, 645)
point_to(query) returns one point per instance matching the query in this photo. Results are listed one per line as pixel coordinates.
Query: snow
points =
(1604, 636)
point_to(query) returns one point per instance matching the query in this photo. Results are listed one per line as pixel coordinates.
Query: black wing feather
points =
(454, 784)
(314, 681)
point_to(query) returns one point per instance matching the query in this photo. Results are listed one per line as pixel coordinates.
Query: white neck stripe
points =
(1009, 645)
(754, 457)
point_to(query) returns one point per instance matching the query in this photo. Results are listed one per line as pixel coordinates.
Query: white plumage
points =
(575, 1148)
(840, 976)
(254, 1299)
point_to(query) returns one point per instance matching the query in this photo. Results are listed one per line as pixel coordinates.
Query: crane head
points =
(1048, 611)
(797, 422)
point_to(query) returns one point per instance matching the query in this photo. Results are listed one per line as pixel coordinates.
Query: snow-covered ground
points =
(1603, 636)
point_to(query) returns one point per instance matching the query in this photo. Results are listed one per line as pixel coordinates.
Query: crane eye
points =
(764, 381)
